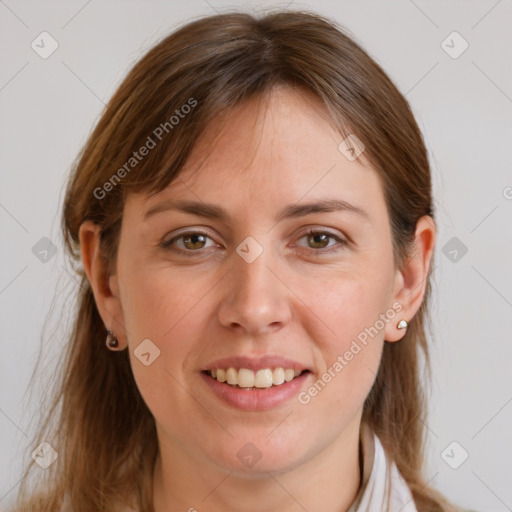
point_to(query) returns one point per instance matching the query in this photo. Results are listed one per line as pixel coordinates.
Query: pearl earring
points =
(402, 324)
(112, 342)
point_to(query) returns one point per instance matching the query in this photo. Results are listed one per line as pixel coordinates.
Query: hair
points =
(104, 433)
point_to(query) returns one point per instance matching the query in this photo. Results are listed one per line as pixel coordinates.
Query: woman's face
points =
(256, 284)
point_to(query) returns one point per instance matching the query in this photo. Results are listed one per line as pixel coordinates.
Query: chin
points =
(256, 456)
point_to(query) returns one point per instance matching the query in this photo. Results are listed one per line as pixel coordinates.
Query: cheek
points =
(166, 308)
(347, 307)
(155, 302)
(353, 312)
(147, 302)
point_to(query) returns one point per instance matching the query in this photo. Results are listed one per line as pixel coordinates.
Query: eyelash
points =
(190, 253)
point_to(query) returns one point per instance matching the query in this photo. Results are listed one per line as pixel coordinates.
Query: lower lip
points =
(256, 399)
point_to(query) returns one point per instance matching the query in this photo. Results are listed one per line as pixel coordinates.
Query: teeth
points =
(278, 376)
(245, 378)
(231, 376)
(263, 378)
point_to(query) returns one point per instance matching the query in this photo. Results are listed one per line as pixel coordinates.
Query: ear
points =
(410, 281)
(105, 288)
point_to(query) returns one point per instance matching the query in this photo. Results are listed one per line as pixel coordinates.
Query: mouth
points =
(259, 390)
(249, 380)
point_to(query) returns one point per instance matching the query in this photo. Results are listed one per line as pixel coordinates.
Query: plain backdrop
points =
(463, 104)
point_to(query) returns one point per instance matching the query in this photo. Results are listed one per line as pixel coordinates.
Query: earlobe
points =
(411, 280)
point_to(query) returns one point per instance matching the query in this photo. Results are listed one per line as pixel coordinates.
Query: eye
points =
(192, 241)
(320, 239)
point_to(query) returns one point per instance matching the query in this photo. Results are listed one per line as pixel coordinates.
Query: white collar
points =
(383, 487)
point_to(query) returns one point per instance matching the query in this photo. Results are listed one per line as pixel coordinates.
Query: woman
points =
(254, 217)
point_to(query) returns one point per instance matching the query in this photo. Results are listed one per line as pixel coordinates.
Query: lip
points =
(255, 364)
(256, 399)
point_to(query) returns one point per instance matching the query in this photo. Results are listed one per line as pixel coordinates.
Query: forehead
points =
(281, 148)
(286, 128)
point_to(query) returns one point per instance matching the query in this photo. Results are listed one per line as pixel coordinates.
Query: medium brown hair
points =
(105, 434)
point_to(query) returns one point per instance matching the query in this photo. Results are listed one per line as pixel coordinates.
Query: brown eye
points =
(194, 241)
(319, 240)
(191, 242)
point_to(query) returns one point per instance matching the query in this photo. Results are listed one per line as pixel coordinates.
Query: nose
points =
(256, 300)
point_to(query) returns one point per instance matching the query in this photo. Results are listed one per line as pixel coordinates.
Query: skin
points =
(292, 301)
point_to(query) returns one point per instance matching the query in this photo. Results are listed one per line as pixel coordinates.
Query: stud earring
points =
(112, 342)
(402, 324)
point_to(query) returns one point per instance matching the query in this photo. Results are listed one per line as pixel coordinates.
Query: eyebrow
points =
(291, 211)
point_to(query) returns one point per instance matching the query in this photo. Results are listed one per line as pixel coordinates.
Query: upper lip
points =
(255, 363)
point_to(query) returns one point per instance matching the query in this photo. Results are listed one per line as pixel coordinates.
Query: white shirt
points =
(383, 488)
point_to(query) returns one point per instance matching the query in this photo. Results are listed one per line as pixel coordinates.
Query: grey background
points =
(463, 106)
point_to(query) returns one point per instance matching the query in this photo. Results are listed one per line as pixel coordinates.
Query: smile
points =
(249, 379)
(253, 398)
